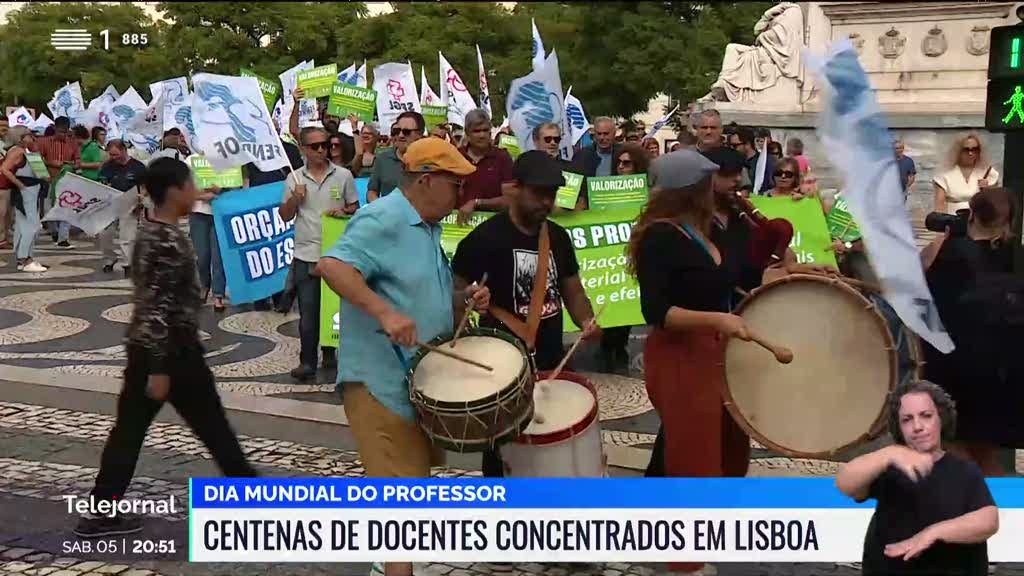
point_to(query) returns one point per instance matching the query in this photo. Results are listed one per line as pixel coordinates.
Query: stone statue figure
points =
(752, 73)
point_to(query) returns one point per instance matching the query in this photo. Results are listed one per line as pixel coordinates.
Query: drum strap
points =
(527, 331)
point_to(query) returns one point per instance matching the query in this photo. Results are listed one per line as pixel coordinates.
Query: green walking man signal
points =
(1016, 100)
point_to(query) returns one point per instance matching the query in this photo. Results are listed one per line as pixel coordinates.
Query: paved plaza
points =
(60, 365)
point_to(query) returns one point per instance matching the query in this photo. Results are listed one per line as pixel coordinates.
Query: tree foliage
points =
(615, 55)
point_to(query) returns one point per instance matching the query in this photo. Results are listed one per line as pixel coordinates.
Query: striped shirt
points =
(56, 149)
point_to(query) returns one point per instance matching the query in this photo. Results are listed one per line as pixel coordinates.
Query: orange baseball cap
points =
(436, 155)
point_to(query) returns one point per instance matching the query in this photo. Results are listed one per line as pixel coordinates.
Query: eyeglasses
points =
(625, 162)
(550, 139)
(734, 145)
(457, 182)
(405, 132)
(971, 149)
(318, 145)
(785, 174)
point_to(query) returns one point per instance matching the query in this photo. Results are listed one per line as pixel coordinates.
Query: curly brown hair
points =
(638, 155)
(943, 403)
(694, 205)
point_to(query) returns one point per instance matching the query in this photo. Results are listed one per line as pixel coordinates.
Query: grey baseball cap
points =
(679, 169)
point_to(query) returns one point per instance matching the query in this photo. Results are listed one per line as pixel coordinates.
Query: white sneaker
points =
(33, 267)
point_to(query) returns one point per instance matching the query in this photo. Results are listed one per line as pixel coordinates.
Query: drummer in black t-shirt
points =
(934, 511)
(506, 246)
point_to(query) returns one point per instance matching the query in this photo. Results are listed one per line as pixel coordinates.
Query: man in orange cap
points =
(392, 274)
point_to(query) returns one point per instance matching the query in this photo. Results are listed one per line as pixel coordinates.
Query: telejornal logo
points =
(75, 39)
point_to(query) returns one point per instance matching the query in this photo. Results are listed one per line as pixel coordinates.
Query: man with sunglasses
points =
(388, 168)
(506, 248)
(392, 274)
(485, 188)
(599, 159)
(742, 140)
(317, 188)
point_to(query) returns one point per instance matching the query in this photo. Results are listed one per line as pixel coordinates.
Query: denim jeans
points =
(204, 238)
(26, 226)
(307, 287)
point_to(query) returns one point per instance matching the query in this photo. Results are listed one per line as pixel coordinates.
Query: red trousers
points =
(684, 374)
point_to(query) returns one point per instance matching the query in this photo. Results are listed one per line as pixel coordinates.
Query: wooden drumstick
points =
(575, 345)
(782, 354)
(451, 355)
(465, 315)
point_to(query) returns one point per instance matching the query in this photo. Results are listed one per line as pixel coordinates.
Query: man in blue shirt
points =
(392, 274)
(908, 171)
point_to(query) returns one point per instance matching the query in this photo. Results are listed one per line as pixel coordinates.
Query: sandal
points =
(218, 304)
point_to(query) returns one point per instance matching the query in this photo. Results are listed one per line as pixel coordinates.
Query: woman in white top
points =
(969, 171)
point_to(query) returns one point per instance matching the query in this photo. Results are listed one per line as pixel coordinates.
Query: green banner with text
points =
(811, 237)
(347, 99)
(207, 177)
(511, 144)
(317, 82)
(270, 89)
(567, 195)
(617, 191)
(434, 115)
(600, 239)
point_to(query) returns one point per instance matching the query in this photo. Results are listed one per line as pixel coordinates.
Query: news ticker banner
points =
(599, 238)
(548, 519)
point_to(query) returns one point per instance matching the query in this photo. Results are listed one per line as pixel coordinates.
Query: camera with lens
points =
(955, 223)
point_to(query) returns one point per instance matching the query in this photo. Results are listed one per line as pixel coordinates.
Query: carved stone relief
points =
(892, 43)
(934, 44)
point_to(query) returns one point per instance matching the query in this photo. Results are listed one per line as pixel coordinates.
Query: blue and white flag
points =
(41, 124)
(256, 244)
(233, 125)
(854, 133)
(485, 92)
(175, 95)
(124, 109)
(538, 47)
(349, 75)
(109, 96)
(361, 76)
(20, 117)
(577, 118)
(307, 106)
(67, 101)
(145, 128)
(537, 98)
(660, 123)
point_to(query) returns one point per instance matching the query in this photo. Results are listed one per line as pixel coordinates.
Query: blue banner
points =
(561, 493)
(255, 243)
(362, 185)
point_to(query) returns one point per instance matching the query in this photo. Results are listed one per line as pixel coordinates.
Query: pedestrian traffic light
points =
(1004, 104)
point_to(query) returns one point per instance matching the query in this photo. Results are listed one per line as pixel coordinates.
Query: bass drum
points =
(832, 395)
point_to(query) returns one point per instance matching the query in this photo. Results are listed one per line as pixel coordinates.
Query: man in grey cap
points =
(506, 249)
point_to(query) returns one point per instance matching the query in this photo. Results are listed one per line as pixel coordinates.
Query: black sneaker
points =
(102, 526)
(65, 245)
(127, 271)
(303, 373)
(330, 361)
(108, 268)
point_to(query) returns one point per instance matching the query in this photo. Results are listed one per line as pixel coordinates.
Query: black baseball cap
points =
(538, 170)
(173, 132)
(729, 161)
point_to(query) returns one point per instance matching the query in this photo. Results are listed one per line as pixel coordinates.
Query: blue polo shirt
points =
(401, 260)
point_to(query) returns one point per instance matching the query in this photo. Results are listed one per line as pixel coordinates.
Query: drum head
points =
(444, 379)
(558, 405)
(833, 393)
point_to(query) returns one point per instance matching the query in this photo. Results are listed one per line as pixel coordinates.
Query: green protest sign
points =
(511, 144)
(600, 239)
(317, 82)
(347, 99)
(207, 177)
(568, 195)
(35, 160)
(840, 222)
(434, 115)
(811, 238)
(617, 191)
(270, 89)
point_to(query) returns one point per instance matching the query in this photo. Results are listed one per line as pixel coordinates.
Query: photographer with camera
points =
(981, 304)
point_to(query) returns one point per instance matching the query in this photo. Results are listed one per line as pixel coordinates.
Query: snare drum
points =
(465, 408)
(832, 396)
(564, 437)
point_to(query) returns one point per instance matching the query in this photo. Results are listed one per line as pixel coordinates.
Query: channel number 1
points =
(126, 39)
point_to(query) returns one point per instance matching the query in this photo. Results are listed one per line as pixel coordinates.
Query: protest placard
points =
(317, 82)
(511, 144)
(811, 238)
(271, 90)
(617, 191)
(567, 195)
(434, 115)
(207, 177)
(35, 160)
(347, 99)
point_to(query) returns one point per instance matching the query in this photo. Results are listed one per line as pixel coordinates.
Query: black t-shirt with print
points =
(954, 488)
(509, 257)
(122, 177)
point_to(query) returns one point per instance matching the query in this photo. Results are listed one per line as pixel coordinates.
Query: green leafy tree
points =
(33, 69)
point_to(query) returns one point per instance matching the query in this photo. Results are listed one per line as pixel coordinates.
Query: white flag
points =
(20, 117)
(577, 118)
(349, 75)
(853, 132)
(660, 123)
(67, 101)
(485, 92)
(538, 48)
(537, 98)
(427, 95)
(101, 114)
(233, 125)
(396, 92)
(307, 106)
(84, 204)
(109, 95)
(361, 75)
(41, 124)
(183, 118)
(124, 109)
(175, 95)
(759, 169)
(454, 93)
(145, 128)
